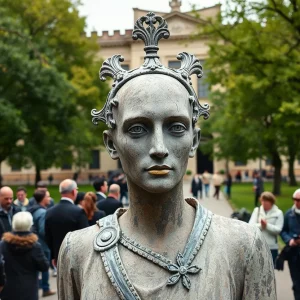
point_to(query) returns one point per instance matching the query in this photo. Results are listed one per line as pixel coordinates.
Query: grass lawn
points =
(53, 189)
(242, 195)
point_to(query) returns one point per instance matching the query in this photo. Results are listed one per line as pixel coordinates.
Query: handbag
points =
(284, 255)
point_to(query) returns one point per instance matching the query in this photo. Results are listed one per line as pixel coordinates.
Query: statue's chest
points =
(214, 281)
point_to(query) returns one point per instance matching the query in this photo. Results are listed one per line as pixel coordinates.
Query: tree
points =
(49, 73)
(255, 57)
(12, 129)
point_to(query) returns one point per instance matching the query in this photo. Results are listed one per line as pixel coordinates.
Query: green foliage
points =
(10, 121)
(188, 172)
(48, 72)
(254, 59)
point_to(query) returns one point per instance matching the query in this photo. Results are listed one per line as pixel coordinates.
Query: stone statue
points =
(163, 246)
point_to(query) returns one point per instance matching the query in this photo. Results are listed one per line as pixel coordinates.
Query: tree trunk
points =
(292, 152)
(276, 160)
(227, 166)
(38, 176)
(292, 177)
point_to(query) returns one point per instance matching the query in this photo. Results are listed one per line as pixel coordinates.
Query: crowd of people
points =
(272, 223)
(32, 231)
(204, 180)
(266, 216)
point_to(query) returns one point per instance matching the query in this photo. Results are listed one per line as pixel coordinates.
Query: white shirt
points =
(100, 193)
(67, 199)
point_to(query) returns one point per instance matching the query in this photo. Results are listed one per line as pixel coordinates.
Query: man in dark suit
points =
(100, 186)
(111, 203)
(63, 218)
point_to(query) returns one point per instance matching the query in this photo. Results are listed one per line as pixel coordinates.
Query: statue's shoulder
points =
(233, 233)
(81, 241)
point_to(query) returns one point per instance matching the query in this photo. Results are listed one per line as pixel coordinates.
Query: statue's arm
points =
(259, 282)
(66, 283)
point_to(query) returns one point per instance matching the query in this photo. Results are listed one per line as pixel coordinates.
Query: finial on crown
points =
(151, 35)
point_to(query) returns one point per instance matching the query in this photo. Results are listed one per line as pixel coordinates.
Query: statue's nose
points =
(158, 147)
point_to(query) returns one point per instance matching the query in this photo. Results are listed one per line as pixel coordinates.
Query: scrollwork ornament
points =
(112, 68)
(189, 65)
(150, 34)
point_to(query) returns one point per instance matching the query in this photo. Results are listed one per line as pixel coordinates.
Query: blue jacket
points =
(291, 225)
(39, 213)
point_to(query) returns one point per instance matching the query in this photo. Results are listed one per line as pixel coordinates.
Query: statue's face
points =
(153, 137)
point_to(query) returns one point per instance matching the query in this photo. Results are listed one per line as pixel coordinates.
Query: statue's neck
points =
(157, 218)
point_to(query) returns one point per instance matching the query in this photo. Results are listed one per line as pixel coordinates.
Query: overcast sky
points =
(118, 14)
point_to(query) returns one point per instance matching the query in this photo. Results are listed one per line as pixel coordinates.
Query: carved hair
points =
(150, 35)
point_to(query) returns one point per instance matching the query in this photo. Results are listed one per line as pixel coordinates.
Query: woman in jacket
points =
(90, 208)
(269, 219)
(24, 258)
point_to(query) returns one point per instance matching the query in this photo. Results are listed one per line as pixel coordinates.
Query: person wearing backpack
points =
(38, 212)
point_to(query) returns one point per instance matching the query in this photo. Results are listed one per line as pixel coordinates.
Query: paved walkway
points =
(221, 207)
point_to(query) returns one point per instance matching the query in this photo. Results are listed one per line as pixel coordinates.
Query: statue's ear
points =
(109, 144)
(196, 141)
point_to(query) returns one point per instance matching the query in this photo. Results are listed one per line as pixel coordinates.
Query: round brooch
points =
(106, 238)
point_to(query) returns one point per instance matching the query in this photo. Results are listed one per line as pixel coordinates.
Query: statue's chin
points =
(160, 185)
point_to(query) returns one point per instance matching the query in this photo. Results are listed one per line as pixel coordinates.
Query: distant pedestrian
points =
(122, 182)
(24, 258)
(92, 212)
(238, 176)
(75, 176)
(291, 236)
(7, 209)
(217, 180)
(50, 179)
(63, 218)
(22, 202)
(112, 202)
(196, 186)
(258, 187)
(269, 219)
(228, 184)
(100, 186)
(39, 213)
(206, 177)
(40, 186)
(91, 177)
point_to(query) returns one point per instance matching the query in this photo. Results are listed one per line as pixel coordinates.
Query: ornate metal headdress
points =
(150, 34)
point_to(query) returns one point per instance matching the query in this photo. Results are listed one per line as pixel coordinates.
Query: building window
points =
(66, 166)
(95, 164)
(125, 67)
(174, 64)
(203, 86)
(238, 163)
(15, 168)
(268, 162)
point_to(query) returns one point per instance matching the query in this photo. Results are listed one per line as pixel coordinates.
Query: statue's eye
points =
(137, 129)
(177, 128)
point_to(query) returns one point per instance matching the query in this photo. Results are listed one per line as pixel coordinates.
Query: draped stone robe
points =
(235, 264)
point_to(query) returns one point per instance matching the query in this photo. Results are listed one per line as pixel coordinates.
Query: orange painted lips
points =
(159, 170)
